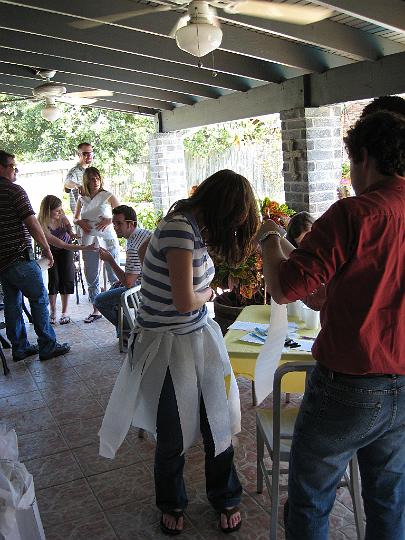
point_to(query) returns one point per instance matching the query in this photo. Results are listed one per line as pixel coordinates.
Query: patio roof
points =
(262, 66)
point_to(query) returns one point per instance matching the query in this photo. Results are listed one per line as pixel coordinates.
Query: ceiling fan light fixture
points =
(199, 39)
(50, 113)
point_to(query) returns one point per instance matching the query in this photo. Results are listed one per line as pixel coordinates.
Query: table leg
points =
(254, 398)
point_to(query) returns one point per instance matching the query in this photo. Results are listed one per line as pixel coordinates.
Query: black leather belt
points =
(331, 374)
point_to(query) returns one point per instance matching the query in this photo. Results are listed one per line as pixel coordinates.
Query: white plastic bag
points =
(16, 483)
(8, 443)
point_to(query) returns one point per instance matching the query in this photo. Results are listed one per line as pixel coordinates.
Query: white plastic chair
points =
(274, 428)
(128, 308)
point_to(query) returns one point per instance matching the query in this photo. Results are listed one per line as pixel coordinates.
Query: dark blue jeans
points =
(340, 415)
(25, 278)
(108, 303)
(222, 482)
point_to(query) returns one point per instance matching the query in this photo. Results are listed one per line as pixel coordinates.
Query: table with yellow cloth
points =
(243, 355)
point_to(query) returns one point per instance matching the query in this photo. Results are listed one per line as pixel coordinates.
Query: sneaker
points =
(61, 348)
(29, 351)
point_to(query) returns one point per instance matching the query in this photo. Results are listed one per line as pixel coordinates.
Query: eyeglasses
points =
(14, 167)
(87, 153)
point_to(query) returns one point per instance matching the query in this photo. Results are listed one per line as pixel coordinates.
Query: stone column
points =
(167, 169)
(312, 154)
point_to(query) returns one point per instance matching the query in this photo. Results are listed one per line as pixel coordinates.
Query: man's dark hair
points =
(393, 104)
(80, 146)
(382, 134)
(4, 158)
(127, 211)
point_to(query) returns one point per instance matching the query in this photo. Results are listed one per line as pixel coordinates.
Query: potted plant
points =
(244, 285)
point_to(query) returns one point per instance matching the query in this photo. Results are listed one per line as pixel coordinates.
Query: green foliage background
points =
(119, 139)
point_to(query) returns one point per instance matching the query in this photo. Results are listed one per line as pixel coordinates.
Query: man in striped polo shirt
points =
(20, 274)
(125, 225)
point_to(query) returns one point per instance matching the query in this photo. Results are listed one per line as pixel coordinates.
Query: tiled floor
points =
(56, 408)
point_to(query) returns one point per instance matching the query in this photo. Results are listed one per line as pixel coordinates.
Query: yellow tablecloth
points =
(243, 355)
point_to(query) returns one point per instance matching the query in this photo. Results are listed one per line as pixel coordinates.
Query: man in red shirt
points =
(355, 401)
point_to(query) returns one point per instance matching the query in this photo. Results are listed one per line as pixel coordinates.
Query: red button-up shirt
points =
(358, 249)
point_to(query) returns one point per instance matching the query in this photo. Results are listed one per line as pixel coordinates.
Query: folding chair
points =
(78, 276)
(274, 428)
(128, 307)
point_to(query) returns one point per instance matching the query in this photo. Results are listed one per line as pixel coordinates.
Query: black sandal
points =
(229, 512)
(176, 514)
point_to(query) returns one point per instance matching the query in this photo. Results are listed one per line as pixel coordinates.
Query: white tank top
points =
(93, 209)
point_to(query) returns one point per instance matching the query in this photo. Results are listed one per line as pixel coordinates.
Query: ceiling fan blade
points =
(90, 94)
(84, 24)
(180, 23)
(290, 13)
(76, 100)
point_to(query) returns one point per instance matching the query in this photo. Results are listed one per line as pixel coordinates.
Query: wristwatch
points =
(265, 235)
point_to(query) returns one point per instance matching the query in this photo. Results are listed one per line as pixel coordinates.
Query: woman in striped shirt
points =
(177, 380)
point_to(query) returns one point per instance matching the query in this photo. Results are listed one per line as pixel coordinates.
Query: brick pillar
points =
(167, 169)
(312, 154)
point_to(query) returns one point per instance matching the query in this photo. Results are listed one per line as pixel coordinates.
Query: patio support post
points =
(167, 168)
(312, 154)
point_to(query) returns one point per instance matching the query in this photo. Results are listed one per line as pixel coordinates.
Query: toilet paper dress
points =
(189, 345)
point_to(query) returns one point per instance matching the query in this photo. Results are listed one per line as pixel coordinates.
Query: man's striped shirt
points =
(14, 236)
(157, 311)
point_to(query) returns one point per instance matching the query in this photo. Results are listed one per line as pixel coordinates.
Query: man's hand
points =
(48, 255)
(103, 224)
(83, 224)
(105, 255)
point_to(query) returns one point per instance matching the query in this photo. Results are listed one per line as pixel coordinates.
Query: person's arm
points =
(142, 249)
(37, 233)
(180, 264)
(57, 242)
(71, 181)
(128, 280)
(83, 224)
(273, 254)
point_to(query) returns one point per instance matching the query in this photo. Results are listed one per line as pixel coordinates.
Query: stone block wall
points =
(312, 154)
(167, 169)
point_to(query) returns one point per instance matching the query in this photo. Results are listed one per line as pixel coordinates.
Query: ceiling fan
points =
(199, 32)
(52, 92)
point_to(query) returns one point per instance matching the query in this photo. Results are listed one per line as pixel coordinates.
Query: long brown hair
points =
(95, 171)
(228, 209)
(48, 203)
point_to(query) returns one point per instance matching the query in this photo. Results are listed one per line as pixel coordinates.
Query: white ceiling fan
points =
(52, 92)
(199, 32)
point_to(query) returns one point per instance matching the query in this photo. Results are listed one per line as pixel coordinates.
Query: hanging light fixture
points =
(200, 35)
(50, 112)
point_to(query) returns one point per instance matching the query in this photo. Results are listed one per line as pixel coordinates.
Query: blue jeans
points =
(340, 415)
(25, 278)
(91, 262)
(222, 482)
(108, 302)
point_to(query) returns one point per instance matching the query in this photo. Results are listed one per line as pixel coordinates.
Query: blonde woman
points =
(94, 216)
(58, 232)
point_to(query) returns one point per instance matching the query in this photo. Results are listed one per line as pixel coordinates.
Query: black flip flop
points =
(91, 318)
(176, 514)
(229, 512)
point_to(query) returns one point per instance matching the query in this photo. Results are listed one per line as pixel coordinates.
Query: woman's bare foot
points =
(230, 520)
(172, 522)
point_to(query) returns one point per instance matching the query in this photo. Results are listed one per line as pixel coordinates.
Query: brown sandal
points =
(229, 512)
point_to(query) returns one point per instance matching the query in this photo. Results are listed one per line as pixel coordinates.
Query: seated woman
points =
(94, 216)
(58, 232)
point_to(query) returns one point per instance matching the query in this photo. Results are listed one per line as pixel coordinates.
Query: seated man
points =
(125, 224)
